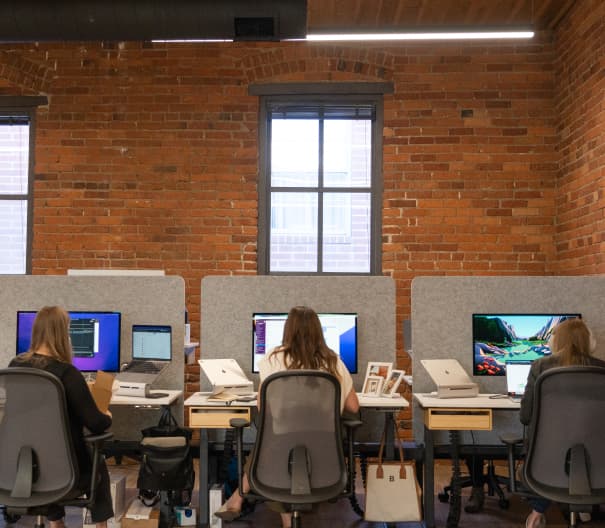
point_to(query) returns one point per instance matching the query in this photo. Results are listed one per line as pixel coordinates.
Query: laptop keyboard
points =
(143, 367)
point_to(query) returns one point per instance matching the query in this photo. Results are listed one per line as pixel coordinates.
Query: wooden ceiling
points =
(360, 15)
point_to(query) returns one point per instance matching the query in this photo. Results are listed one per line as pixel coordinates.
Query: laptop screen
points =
(152, 342)
(516, 377)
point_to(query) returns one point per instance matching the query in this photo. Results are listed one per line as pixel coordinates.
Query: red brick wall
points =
(580, 99)
(147, 155)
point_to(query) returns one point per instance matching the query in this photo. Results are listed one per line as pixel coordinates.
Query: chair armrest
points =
(98, 438)
(511, 439)
(239, 423)
(351, 424)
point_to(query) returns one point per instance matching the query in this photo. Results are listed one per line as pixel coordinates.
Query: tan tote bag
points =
(392, 490)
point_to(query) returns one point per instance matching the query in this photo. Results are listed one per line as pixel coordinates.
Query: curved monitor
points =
(95, 338)
(501, 339)
(339, 329)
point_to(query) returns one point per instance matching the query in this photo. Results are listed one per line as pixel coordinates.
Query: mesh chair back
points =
(299, 408)
(569, 410)
(33, 412)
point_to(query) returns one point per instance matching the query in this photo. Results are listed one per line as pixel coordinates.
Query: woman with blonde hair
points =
(303, 347)
(571, 343)
(50, 350)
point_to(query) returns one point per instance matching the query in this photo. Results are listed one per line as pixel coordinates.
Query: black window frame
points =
(333, 95)
(20, 110)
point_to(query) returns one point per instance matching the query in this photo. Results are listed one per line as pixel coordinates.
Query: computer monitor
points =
(339, 329)
(499, 339)
(95, 338)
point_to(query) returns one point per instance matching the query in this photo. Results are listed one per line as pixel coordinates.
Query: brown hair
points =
(303, 343)
(572, 342)
(51, 329)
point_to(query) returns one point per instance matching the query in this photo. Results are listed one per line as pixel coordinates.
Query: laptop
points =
(151, 353)
(225, 375)
(516, 378)
(450, 377)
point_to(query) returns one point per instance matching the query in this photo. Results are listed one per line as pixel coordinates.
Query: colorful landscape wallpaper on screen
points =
(499, 338)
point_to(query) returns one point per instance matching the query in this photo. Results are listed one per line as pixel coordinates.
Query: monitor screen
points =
(340, 333)
(499, 339)
(95, 339)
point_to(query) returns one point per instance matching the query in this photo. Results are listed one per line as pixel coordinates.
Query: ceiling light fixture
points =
(429, 35)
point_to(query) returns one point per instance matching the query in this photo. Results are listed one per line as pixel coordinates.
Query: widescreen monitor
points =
(339, 329)
(95, 338)
(499, 339)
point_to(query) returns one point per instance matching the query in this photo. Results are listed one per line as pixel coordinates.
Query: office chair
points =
(298, 458)
(494, 483)
(565, 459)
(38, 465)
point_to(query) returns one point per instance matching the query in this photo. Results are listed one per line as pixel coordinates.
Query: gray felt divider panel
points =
(141, 300)
(442, 309)
(229, 302)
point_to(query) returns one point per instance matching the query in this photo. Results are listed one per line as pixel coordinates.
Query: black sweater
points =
(83, 411)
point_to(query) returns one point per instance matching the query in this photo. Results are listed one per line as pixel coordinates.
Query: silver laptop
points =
(225, 375)
(446, 372)
(151, 353)
(516, 378)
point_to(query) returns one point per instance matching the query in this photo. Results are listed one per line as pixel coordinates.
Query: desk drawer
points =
(216, 417)
(458, 419)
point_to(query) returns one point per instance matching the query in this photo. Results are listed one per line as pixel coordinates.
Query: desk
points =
(204, 415)
(453, 414)
(127, 445)
(173, 395)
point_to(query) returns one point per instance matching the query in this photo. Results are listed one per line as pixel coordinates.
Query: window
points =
(16, 186)
(320, 186)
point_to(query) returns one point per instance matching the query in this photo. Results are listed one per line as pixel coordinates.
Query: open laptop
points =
(516, 378)
(450, 377)
(225, 375)
(151, 353)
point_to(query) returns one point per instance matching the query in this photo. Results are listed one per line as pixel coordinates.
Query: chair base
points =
(494, 486)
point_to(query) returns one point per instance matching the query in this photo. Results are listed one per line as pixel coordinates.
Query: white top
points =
(274, 362)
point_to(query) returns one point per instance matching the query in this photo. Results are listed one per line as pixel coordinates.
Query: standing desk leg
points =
(203, 478)
(428, 492)
(389, 451)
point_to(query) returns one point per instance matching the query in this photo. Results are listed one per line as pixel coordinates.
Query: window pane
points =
(14, 158)
(13, 233)
(294, 152)
(347, 153)
(347, 229)
(293, 244)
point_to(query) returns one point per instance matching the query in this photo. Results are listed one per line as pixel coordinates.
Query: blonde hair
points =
(51, 330)
(572, 342)
(303, 343)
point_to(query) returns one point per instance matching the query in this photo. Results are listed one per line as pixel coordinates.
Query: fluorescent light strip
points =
(470, 35)
(181, 41)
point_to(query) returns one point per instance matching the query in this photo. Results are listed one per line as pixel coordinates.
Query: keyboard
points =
(143, 367)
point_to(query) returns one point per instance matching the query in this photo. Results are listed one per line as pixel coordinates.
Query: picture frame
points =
(378, 368)
(372, 386)
(392, 383)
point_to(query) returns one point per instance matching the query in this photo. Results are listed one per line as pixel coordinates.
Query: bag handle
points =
(379, 470)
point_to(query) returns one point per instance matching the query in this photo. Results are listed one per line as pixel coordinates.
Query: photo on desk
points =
(389, 388)
(379, 368)
(373, 386)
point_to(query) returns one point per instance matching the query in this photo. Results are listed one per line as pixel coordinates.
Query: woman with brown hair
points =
(50, 350)
(303, 347)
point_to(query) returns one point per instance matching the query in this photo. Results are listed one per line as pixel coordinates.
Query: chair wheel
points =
(444, 496)
(504, 504)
